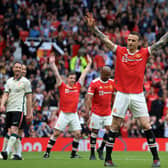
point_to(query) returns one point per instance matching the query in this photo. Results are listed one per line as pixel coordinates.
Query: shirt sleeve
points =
(61, 87)
(81, 82)
(78, 84)
(28, 88)
(115, 48)
(7, 87)
(91, 89)
(149, 50)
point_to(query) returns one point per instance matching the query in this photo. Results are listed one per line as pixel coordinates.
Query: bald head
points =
(105, 73)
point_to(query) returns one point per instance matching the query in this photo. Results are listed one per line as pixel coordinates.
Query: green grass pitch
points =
(62, 160)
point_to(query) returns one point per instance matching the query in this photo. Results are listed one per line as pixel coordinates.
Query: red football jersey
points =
(69, 97)
(130, 68)
(102, 96)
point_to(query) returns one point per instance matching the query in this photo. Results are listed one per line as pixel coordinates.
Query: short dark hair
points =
(24, 64)
(17, 61)
(136, 33)
(71, 73)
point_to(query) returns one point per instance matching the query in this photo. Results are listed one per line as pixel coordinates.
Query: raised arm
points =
(159, 44)
(55, 70)
(92, 24)
(86, 70)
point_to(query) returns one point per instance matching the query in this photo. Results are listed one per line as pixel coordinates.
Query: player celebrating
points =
(69, 96)
(17, 152)
(129, 75)
(100, 99)
(17, 89)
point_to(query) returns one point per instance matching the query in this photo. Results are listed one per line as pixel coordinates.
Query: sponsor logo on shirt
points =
(70, 91)
(136, 57)
(101, 93)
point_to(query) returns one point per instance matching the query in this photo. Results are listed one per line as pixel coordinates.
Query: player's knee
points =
(14, 130)
(115, 127)
(56, 133)
(116, 124)
(108, 128)
(77, 135)
(146, 126)
(20, 132)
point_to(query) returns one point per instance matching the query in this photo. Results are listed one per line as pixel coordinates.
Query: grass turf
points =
(62, 160)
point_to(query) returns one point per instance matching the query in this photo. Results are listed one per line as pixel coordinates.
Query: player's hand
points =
(89, 59)
(2, 108)
(90, 20)
(29, 118)
(52, 59)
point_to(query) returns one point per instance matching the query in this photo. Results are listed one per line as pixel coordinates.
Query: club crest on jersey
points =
(137, 55)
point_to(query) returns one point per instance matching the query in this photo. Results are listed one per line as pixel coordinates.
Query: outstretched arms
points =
(55, 69)
(86, 70)
(159, 44)
(91, 23)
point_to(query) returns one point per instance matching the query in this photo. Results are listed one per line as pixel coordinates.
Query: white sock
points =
(11, 142)
(18, 145)
(14, 151)
(5, 143)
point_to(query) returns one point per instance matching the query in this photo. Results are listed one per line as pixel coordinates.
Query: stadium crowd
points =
(62, 22)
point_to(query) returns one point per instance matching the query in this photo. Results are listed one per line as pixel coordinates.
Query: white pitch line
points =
(83, 158)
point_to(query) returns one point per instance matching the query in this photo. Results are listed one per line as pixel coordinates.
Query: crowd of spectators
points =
(62, 22)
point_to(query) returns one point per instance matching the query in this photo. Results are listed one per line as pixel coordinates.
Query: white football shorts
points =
(68, 119)
(136, 103)
(98, 122)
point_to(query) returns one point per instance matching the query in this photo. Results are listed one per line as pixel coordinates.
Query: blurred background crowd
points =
(61, 23)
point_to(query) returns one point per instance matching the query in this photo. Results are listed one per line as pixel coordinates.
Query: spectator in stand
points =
(2, 44)
(151, 96)
(34, 31)
(31, 50)
(157, 108)
(134, 130)
(165, 126)
(78, 63)
(43, 130)
(156, 126)
(49, 80)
